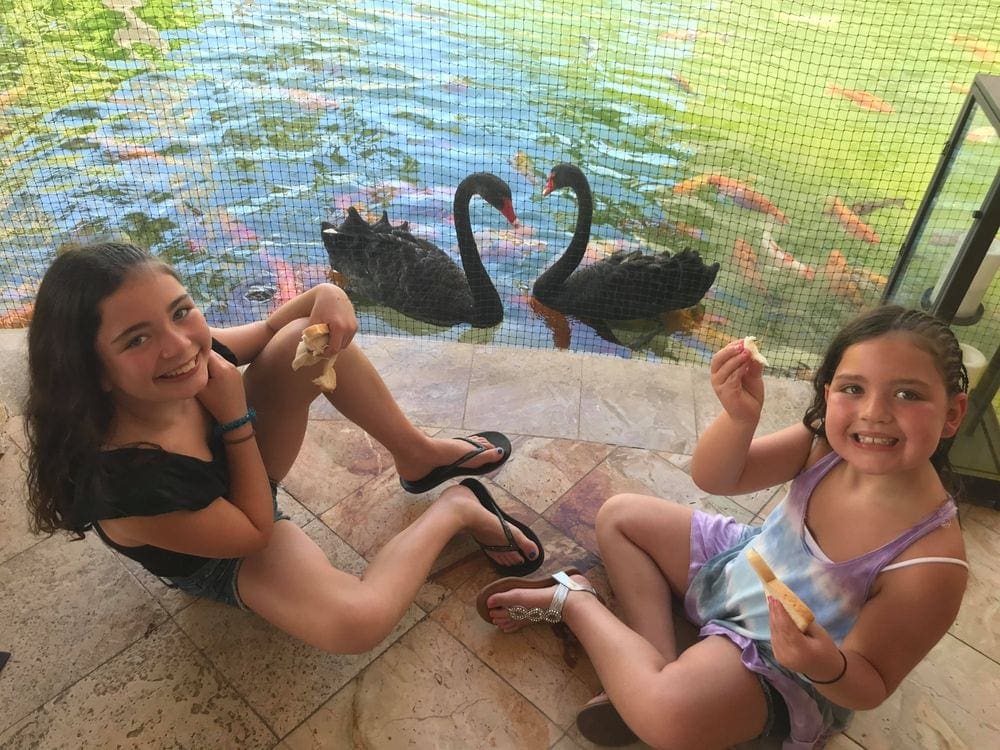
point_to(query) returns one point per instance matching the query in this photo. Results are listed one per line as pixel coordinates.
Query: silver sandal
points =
(554, 613)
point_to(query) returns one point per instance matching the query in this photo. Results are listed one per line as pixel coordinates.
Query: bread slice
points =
(750, 344)
(796, 608)
(310, 351)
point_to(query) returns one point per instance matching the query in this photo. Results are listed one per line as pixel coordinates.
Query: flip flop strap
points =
(471, 454)
(511, 545)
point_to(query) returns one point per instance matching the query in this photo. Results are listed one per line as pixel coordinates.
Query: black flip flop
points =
(521, 569)
(601, 723)
(455, 469)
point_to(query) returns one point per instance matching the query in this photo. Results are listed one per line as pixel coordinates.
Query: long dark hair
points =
(927, 332)
(68, 414)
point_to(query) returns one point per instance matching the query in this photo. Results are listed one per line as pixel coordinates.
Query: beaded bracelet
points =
(843, 671)
(250, 416)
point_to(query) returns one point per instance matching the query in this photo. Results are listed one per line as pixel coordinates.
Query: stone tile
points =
(988, 517)
(630, 470)
(948, 700)
(426, 691)
(541, 470)
(978, 624)
(14, 369)
(640, 404)
(337, 458)
(160, 692)
(14, 430)
(66, 608)
(752, 502)
(533, 660)
(525, 391)
(14, 533)
(284, 679)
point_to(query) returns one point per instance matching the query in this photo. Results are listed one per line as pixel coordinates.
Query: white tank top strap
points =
(919, 560)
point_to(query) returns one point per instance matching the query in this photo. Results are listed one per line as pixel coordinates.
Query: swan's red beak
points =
(549, 186)
(508, 212)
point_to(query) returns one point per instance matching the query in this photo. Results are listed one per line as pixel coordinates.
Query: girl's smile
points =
(152, 342)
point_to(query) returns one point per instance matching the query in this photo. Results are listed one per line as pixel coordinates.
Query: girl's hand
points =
(332, 306)
(737, 382)
(223, 395)
(812, 653)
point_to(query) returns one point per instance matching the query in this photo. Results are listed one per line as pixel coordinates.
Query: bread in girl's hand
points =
(750, 345)
(796, 608)
(310, 351)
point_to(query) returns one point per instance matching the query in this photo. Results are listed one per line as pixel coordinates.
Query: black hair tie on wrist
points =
(843, 671)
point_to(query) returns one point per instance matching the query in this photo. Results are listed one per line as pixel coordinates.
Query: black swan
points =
(625, 285)
(389, 266)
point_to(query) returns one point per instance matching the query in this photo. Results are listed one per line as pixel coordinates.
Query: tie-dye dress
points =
(725, 597)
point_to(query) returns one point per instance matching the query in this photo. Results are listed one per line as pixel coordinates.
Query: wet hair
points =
(927, 333)
(67, 413)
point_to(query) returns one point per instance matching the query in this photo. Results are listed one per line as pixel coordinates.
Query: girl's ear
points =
(956, 413)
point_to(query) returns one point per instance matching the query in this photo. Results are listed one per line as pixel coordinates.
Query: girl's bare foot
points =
(485, 527)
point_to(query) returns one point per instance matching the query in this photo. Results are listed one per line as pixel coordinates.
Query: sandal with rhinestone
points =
(561, 579)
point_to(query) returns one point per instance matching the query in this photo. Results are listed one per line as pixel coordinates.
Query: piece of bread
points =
(750, 344)
(310, 351)
(773, 586)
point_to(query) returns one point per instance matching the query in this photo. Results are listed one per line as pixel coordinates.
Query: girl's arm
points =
(727, 459)
(896, 629)
(324, 303)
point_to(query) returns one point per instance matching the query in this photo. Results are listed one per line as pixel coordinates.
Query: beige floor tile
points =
(948, 701)
(541, 470)
(14, 534)
(752, 502)
(427, 691)
(978, 622)
(160, 692)
(336, 459)
(785, 402)
(13, 369)
(988, 517)
(525, 391)
(284, 679)
(65, 607)
(640, 404)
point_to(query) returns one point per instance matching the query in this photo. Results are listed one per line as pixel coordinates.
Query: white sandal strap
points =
(554, 612)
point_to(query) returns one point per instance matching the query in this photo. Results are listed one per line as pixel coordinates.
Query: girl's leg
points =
(282, 397)
(671, 703)
(293, 585)
(645, 546)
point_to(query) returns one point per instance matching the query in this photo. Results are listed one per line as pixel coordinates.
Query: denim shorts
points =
(216, 579)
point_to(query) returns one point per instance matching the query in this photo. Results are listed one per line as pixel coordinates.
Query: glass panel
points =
(969, 174)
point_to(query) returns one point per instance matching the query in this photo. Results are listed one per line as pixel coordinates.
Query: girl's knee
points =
(617, 510)
(358, 627)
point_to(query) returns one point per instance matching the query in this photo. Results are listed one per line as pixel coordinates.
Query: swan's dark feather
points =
(626, 285)
(388, 265)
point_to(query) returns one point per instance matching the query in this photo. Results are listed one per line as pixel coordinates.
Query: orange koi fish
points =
(782, 259)
(746, 262)
(311, 99)
(850, 222)
(979, 49)
(983, 134)
(690, 185)
(19, 317)
(235, 229)
(863, 99)
(524, 166)
(123, 151)
(682, 83)
(850, 283)
(742, 195)
(287, 281)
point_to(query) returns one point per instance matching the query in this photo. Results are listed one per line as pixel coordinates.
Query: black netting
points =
(790, 143)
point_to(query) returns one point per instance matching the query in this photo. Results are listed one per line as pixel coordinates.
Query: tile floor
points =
(106, 656)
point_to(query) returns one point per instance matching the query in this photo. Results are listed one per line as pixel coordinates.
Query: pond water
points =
(792, 148)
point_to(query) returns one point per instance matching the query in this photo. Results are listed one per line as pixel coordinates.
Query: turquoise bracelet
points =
(250, 416)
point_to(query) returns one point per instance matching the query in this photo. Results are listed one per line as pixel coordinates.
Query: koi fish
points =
(524, 166)
(741, 194)
(863, 99)
(235, 229)
(746, 263)
(692, 35)
(782, 259)
(682, 83)
(979, 49)
(958, 88)
(123, 151)
(690, 185)
(850, 222)
(862, 209)
(289, 285)
(311, 99)
(983, 134)
(19, 317)
(820, 22)
(850, 283)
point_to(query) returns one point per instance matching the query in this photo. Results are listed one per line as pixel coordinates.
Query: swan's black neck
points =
(562, 268)
(487, 309)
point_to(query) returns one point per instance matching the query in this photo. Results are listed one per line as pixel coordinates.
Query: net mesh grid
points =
(789, 144)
